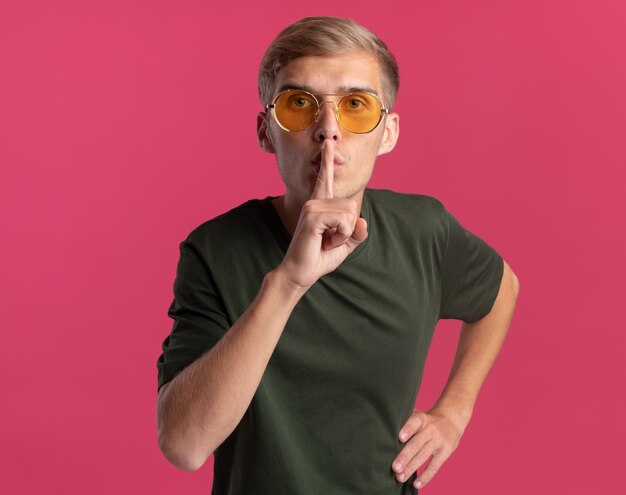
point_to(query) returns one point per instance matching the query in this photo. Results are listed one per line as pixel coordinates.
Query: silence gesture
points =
(328, 229)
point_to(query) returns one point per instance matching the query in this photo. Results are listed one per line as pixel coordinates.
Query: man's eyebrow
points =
(287, 86)
(340, 90)
(358, 89)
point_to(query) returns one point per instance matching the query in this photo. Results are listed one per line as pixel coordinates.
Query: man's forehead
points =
(342, 73)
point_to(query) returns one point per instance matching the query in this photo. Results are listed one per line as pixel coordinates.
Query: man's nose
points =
(327, 124)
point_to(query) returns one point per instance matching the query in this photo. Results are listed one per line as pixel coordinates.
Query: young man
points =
(302, 322)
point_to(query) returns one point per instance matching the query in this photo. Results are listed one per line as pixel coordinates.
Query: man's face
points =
(299, 153)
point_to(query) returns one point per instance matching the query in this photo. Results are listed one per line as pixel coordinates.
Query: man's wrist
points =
(278, 281)
(459, 414)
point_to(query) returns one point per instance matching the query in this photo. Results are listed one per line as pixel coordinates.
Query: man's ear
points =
(390, 133)
(262, 132)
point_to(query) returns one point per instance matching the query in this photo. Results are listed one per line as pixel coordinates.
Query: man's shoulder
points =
(246, 219)
(411, 205)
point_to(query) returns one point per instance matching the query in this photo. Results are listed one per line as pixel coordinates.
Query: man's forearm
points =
(431, 436)
(204, 403)
(478, 346)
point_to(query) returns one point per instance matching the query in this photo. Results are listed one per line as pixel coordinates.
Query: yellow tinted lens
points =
(360, 112)
(295, 110)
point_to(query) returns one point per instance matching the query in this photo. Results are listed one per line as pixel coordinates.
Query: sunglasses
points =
(295, 109)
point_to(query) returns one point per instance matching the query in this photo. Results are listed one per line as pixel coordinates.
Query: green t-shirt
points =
(345, 374)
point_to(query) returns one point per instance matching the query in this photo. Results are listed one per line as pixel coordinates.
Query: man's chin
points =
(343, 193)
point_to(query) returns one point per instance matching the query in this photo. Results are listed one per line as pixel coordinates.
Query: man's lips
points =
(316, 168)
(317, 159)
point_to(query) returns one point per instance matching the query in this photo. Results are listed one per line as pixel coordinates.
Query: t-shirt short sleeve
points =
(471, 275)
(198, 314)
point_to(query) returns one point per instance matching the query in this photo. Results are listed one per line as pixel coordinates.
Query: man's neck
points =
(289, 208)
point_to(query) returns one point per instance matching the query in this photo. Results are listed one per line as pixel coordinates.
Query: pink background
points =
(123, 125)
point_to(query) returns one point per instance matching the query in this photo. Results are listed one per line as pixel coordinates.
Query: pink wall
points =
(124, 124)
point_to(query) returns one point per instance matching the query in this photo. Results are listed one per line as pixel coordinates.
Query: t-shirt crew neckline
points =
(284, 238)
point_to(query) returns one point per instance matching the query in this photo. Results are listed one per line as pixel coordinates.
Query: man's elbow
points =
(178, 446)
(179, 454)
(511, 280)
(515, 282)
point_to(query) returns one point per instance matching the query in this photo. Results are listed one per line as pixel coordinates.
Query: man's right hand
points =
(328, 230)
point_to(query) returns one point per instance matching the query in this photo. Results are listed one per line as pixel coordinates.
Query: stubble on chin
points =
(351, 191)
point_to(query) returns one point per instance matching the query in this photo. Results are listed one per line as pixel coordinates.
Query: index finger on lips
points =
(324, 185)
